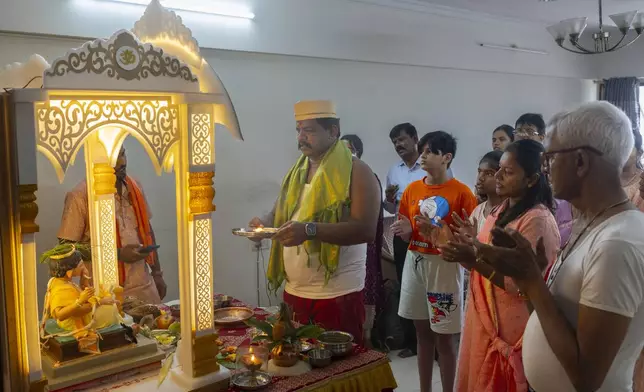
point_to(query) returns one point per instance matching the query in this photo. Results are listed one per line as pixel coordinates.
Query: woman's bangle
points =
(78, 304)
(491, 276)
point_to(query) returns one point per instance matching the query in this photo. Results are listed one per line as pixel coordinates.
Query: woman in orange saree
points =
(490, 351)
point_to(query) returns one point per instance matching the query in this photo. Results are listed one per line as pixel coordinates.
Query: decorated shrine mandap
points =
(150, 83)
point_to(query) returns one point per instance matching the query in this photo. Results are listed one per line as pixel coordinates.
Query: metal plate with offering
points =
(248, 381)
(232, 316)
(256, 233)
(306, 346)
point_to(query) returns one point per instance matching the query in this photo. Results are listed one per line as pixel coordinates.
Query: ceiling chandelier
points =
(573, 29)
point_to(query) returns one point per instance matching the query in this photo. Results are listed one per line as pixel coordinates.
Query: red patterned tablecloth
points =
(360, 363)
(361, 359)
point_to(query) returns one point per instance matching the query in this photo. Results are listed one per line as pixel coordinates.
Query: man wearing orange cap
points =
(327, 212)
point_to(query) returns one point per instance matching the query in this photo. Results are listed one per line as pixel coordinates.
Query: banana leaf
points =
(261, 325)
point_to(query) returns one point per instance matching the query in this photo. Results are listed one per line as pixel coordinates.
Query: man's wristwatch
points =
(311, 230)
(157, 273)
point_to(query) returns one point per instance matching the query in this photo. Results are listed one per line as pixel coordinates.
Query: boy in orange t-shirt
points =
(431, 289)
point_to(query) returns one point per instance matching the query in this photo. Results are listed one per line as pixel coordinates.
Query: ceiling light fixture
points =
(210, 7)
(573, 28)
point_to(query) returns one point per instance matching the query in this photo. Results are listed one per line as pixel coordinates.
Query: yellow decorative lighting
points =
(112, 139)
(201, 192)
(63, 125)
(106, 222)
(201, 139)
(202, 275)
(104, 179)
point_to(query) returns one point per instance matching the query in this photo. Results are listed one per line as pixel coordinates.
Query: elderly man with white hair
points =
(587, 328)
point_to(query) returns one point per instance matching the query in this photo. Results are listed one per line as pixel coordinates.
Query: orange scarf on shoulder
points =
(135, 194)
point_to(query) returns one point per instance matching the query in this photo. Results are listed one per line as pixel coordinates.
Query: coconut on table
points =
(150, 83)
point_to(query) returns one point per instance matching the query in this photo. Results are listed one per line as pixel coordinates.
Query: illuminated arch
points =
(64, 123)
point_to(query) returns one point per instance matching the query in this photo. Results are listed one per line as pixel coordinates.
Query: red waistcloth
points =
(345, 313)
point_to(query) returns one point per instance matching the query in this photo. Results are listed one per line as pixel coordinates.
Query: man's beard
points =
(120, 181)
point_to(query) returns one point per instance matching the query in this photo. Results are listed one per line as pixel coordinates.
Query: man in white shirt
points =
(404, 138)
(587, 328)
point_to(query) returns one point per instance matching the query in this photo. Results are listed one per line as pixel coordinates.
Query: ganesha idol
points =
(78, 320)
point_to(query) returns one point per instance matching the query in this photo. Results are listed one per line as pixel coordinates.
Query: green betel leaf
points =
(261, 325)
(165, 369)
(309, 331)
(260, 338)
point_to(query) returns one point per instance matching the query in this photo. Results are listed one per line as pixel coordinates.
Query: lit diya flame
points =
(252, 362)
(258, 229)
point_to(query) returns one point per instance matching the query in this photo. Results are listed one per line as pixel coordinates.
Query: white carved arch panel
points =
(120, 63)
(63, 123)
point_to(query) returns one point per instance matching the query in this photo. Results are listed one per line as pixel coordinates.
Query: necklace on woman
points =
(565, 251)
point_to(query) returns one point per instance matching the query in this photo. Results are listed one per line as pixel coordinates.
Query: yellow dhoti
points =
(62, 293)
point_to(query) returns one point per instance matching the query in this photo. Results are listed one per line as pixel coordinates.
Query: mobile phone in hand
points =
(149, 249)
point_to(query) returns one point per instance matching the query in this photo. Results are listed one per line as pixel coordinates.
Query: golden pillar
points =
(202, 192)
(102, 187)
(28, 208)
(204, 346)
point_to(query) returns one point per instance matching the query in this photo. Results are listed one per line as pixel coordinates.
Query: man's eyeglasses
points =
(548, 156)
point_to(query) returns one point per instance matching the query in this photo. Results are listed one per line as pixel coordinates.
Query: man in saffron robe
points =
(327, 212)
(140, 273)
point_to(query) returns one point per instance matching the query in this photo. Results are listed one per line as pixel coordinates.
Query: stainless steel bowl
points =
(232, 316)
(339, 343)
(320, 357)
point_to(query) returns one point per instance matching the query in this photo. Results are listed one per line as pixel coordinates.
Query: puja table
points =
(364, 371)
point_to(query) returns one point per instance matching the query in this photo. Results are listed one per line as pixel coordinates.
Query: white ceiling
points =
(529, 10)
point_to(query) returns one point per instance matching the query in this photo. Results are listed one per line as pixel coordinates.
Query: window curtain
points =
(625, 94)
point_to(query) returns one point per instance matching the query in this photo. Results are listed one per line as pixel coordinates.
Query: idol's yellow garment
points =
(326, 203)
(63, 293)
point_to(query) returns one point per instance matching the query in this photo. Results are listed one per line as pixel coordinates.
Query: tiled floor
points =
(406, 373)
